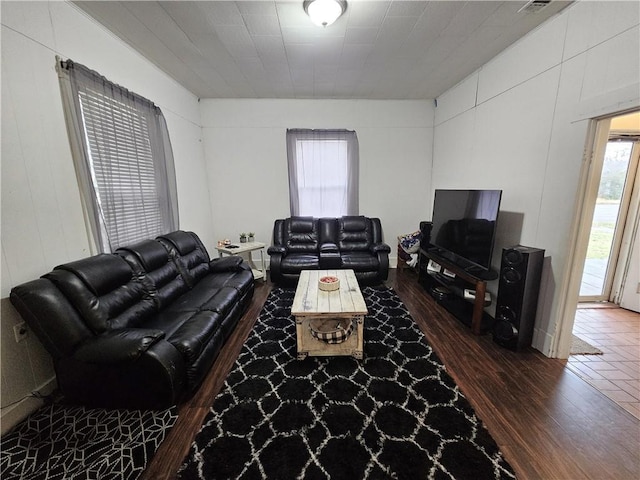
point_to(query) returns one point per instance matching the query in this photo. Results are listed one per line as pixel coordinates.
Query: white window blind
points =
(126, 157)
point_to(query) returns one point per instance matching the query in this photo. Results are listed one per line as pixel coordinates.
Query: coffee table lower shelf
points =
(309, 346)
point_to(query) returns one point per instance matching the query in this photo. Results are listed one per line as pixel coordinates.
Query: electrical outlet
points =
(638, 289)
(20, 331)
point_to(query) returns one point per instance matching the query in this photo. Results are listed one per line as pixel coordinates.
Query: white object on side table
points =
(244, 248)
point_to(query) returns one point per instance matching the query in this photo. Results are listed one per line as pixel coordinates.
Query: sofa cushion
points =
(101, 274)
(327, 230)
(183, 242)
(222, 301)
(219, 300)
(188, 252)
(354, 233)
(40, 299)
(360, 261)
(151, 262)
(301, 235)
(296, 262)
(169, 321)
(241, 280)
(353, 223)
(226, 264)
(301, 224)
(105, 292)
(150, 254)
(193, 335)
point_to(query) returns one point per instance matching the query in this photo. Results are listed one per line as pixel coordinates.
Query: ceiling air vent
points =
(534, 6)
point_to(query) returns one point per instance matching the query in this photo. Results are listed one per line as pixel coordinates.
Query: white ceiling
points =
(379, 49)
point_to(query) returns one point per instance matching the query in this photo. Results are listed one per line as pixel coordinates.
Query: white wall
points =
(42, 221)
(520, 122)
(246, 156)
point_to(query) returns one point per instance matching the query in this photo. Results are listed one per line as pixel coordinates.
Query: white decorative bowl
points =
(329, 283)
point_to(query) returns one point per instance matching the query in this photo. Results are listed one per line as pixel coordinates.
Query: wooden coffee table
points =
(312, 304)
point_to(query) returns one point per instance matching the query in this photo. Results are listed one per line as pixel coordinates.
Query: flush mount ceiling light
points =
(324, 12)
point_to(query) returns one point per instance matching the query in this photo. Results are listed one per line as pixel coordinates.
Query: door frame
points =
(617, 256)
(587, 192)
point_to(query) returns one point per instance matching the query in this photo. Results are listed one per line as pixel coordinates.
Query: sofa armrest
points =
(329, 247)
(380, 248)
(276, 250)
(226, 264)
(276, 254)
(117, 346)
(329, 256)
(157, 378)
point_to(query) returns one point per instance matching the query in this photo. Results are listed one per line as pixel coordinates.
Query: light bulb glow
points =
(324, 12)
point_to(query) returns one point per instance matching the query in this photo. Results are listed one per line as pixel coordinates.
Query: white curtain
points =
(123, 158)
(323, 172)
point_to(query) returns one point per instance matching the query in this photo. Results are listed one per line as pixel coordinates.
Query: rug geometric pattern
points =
(70, 442)
(394, 414)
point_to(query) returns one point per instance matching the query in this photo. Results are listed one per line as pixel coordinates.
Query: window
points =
(323, 172)
(123, 159)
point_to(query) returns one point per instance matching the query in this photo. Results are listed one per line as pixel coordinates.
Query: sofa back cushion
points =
(105, 292)
(190, 255)
(354, 233)
(50, 316)
(328, 230)
(301, 235)
(151, 263)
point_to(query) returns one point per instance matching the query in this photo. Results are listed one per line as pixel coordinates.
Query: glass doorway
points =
(610, 214)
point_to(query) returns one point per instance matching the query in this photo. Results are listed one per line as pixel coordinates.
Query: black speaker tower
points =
(518, 289)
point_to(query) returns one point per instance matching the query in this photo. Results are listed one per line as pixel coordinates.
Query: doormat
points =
(64, 442)
(580, 347)
(395, 414)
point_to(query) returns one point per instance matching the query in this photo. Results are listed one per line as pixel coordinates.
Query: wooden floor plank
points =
(549, 423)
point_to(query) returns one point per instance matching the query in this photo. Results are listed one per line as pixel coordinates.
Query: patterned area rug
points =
(580, 347)
(74, 443)
(395, 414)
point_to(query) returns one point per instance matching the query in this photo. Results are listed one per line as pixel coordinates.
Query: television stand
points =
(481, 273)
(449, 290)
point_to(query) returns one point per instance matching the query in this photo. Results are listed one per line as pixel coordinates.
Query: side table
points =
(244, 248)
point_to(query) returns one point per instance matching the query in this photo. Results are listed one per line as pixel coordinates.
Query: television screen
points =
(464, 226)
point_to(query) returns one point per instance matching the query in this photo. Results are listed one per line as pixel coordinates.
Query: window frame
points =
(123, 159)
(303, 171)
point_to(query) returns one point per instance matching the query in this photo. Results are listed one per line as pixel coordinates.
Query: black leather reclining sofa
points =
(307, 243)
(141, 327)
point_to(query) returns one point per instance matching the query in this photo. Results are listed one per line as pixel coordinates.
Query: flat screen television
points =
(464, 226)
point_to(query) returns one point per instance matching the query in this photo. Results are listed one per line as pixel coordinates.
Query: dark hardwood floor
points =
(549, 423)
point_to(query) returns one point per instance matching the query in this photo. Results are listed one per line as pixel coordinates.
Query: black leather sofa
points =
(138, 328)
(307, 243)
